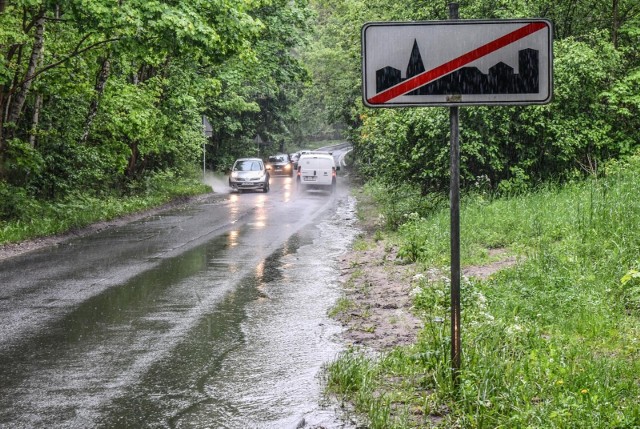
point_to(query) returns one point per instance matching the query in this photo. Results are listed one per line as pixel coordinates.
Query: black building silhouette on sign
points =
(501, 78)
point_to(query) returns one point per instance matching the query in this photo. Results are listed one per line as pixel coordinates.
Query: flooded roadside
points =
(261, 352)
(271, 378)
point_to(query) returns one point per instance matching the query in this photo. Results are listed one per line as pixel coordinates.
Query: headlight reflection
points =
(261, 215)
(232, 239)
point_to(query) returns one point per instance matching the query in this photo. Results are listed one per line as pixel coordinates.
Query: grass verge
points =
(47, 218)
(553, 342)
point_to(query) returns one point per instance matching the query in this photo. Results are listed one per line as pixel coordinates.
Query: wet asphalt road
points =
(213, 315)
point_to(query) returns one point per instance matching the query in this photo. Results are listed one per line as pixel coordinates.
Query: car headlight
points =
(234, 174)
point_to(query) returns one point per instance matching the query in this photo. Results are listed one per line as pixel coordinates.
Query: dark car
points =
(280, 164)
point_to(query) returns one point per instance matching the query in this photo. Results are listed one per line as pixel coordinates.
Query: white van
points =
(317, 170)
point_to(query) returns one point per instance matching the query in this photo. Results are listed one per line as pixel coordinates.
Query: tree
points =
(260, 88)
(94, 80)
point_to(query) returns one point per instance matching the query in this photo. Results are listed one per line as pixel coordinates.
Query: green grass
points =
(47, 218)
(553, 342)
(342, 306)
(361, 244)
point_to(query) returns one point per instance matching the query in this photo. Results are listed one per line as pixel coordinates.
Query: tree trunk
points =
(5, 100)
(615, 24)
(133, 161)
(5, 97)
(2, 144)
(17, 103)
(36, 120)
(101, 81)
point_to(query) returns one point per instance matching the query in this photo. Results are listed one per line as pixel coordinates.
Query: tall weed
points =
(399, 203)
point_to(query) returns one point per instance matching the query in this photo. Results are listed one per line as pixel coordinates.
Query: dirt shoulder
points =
(14, 249)
(377, 309)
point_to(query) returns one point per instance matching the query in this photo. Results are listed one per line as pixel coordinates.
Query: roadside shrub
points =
(24, 218)
(402, 203)
(14, 202)
(519, 183)
(22, 161)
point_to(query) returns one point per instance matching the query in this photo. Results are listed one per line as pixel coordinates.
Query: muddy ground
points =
(377, 310)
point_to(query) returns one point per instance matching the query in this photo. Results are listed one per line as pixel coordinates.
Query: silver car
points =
(249, 174)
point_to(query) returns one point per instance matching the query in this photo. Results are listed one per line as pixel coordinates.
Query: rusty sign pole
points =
(454, 117)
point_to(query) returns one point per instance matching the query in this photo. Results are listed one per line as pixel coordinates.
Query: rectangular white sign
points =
(450, 63)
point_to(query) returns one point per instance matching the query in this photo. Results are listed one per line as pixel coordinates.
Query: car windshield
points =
(278, 158)
(247, 166)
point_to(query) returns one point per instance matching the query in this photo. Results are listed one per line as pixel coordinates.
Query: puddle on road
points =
(255, 361)
(133, 357)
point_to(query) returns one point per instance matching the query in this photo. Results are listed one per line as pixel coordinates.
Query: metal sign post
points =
(457, 63)
(456, 342)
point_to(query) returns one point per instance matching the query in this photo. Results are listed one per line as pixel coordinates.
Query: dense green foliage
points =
(98, 96)
(594, 115)
(552, 342)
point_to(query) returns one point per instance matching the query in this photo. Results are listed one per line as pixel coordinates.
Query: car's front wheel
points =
(266, 187)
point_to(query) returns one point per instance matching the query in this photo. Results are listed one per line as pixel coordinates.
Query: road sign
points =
(453, 63)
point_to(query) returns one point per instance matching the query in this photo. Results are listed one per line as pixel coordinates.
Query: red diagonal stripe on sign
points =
(446, 68)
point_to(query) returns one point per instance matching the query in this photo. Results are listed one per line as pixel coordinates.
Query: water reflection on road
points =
(228, 329)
